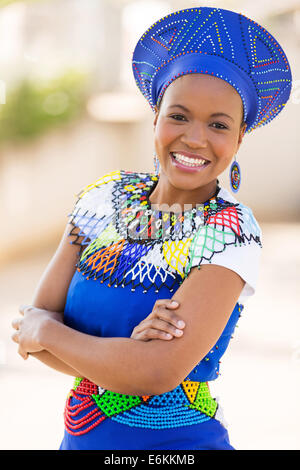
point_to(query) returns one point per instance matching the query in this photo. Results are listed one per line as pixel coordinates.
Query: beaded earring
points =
(235, 176)
(156, 164)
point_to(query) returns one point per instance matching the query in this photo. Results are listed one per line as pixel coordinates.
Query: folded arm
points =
(124, 365)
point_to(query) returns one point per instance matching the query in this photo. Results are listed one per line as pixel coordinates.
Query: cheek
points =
(165, 135)
(223, 146)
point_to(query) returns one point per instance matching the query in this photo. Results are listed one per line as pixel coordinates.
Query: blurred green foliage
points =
(34, 107)
(3, 3)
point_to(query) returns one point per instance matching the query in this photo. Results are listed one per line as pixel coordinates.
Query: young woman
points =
(142, 362)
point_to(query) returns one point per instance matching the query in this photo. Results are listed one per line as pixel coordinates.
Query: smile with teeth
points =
(188, 161)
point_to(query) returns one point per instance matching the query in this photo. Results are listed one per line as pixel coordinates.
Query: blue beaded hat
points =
(216, 42)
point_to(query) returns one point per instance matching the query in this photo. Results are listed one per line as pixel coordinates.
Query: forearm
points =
(122, 365)
(50, 360)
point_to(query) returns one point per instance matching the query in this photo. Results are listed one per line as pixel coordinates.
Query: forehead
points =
(195, 88)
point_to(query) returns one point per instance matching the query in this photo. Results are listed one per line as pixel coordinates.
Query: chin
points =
(184, 182)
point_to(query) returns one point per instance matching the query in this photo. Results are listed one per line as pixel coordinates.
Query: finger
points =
(16, 323)
(162, 325)
(22, 353)
(15, 337)
(170, 303)
(139, 328)
(170, 317)
(151, 333)
(23, 308)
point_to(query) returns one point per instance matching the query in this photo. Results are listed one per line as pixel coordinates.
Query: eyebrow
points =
(212, 115)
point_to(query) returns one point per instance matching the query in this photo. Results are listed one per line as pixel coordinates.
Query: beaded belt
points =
(88, 405)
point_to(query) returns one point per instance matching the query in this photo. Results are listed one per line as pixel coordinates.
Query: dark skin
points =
(205, 299)
(165, 324)
(195, 130)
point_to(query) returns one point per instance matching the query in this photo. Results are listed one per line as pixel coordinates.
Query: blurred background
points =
(70, 112)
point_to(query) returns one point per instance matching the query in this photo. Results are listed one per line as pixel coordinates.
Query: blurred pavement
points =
(259, 381)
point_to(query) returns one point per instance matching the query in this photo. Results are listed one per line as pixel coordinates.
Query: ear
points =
(241, 135)
(156, 115)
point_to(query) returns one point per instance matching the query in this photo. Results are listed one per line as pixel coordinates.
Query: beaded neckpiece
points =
(128, 242)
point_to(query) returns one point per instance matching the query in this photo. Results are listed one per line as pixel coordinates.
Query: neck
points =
(166, 195)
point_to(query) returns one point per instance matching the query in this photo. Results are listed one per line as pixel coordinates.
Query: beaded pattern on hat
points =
(269, 74)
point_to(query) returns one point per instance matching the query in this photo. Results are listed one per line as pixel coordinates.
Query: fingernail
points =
(174, 302)
(179, 332)
(180, 323)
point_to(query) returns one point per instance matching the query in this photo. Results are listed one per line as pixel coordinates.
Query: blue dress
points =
(132, 257)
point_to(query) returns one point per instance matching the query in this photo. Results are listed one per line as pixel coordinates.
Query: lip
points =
(189, 169)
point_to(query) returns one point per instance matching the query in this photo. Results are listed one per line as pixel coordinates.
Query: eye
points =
(219, 124)
(176, 116)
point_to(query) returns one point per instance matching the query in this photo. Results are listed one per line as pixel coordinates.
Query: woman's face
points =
(191, 123)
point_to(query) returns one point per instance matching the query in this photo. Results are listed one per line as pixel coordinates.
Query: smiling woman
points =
(143, 313)
(183, 140)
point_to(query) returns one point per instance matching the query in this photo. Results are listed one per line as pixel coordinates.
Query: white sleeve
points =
(94, 207)
(236, 246)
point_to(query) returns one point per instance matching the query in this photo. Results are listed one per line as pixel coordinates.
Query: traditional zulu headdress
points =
(216, 42)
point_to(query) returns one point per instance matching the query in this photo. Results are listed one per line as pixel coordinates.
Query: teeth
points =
(188, 161)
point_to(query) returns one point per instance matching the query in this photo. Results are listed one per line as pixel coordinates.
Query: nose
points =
(194, 136)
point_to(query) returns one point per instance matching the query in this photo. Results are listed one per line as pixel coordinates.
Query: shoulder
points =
(101, 182)
(229, 236)
(100, 200)
(97, 191)
(238, 218)
(118, 181)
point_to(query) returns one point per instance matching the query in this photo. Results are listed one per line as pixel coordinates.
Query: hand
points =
(28, 328)
(162, 323)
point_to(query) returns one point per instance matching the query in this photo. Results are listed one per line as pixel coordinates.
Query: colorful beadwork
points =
(235, 176)
(220, 43)
(189, 403)
(128, 243)
(131, 243)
